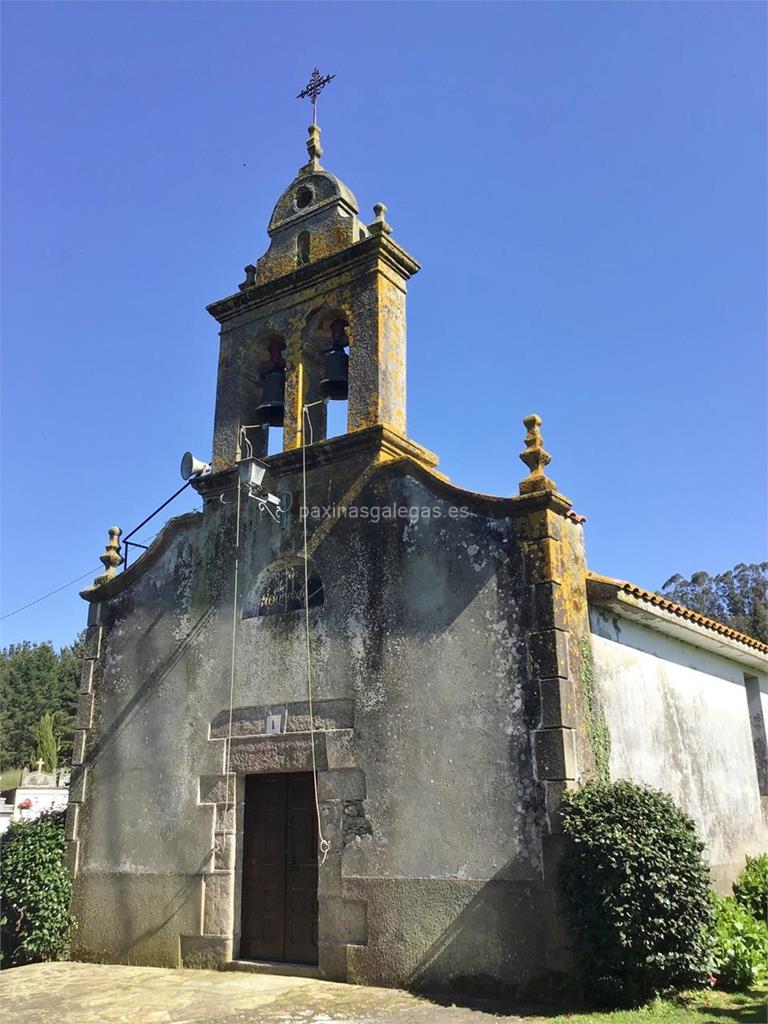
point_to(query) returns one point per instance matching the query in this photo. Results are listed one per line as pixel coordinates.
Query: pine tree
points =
(35, 679)
(47, 744)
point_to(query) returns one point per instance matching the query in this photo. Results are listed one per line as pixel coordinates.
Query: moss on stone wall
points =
(597, 726)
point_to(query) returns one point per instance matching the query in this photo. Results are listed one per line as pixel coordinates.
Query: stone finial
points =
(314, 148)
(250, 277)
(380, 225)
(111, 558)
(536, 458)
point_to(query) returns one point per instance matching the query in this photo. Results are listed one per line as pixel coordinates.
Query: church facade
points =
(329, 720)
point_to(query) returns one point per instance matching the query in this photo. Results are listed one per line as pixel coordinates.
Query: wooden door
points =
(279, 900)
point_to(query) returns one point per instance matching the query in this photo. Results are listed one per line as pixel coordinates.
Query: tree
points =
(738, 597)
(69, 672)
(35, 680)
(47, 744)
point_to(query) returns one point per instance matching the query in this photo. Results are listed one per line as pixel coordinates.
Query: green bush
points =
(635, 892)
(751, 887)
(740, 953)
(35, 891)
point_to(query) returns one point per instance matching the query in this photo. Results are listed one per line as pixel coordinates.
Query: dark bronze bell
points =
(271, 409)
(335, 382)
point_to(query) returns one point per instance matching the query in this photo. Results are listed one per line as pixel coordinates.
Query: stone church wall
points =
(446, 728)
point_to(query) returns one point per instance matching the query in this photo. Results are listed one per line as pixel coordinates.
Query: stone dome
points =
(311, 191)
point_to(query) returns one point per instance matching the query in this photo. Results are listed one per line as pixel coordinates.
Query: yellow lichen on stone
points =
(536, 458)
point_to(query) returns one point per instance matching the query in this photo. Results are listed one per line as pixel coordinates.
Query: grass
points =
(706, 1007)
(10, 778)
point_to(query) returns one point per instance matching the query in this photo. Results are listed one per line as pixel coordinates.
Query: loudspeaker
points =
(190, 466)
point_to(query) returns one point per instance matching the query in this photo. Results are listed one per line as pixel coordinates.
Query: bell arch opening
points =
(324, 352)
(262, 397)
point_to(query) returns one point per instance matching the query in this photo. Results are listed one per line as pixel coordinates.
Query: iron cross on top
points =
(313, 89)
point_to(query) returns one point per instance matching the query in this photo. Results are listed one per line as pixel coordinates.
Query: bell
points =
(271, 409)
(335, 383)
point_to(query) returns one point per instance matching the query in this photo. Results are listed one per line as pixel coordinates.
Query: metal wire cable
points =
(71, 583)
(50, 593)
(233, 655)
(324, 845)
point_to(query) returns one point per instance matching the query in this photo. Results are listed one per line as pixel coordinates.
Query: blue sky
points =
(584, 185)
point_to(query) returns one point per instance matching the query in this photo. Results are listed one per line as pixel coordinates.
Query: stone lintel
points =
(252, 720)
(283, 752)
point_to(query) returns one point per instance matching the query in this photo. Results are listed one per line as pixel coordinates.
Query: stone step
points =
(277, 967)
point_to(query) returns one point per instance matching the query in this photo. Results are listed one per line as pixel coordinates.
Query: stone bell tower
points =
(327, 282)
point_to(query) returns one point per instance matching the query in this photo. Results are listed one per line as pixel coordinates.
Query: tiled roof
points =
(647, 597)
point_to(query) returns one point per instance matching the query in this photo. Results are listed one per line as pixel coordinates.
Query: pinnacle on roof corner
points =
(536, 458)
(111, 557)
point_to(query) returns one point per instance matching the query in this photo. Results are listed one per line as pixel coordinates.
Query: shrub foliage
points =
(751, 887)
(635, 891)
(35, 890)
(740, 946)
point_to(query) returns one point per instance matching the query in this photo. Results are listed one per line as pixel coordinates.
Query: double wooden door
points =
(279, 897)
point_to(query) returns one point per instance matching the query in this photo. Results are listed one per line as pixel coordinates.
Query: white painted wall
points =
(41, 798)
(6, 811)
(678, 718)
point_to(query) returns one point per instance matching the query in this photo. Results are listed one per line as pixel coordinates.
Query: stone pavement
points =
(73, 993)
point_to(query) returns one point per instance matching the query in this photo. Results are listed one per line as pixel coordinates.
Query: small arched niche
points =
(280, 589)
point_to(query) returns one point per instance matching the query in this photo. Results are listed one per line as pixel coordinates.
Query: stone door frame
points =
(341, 788)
